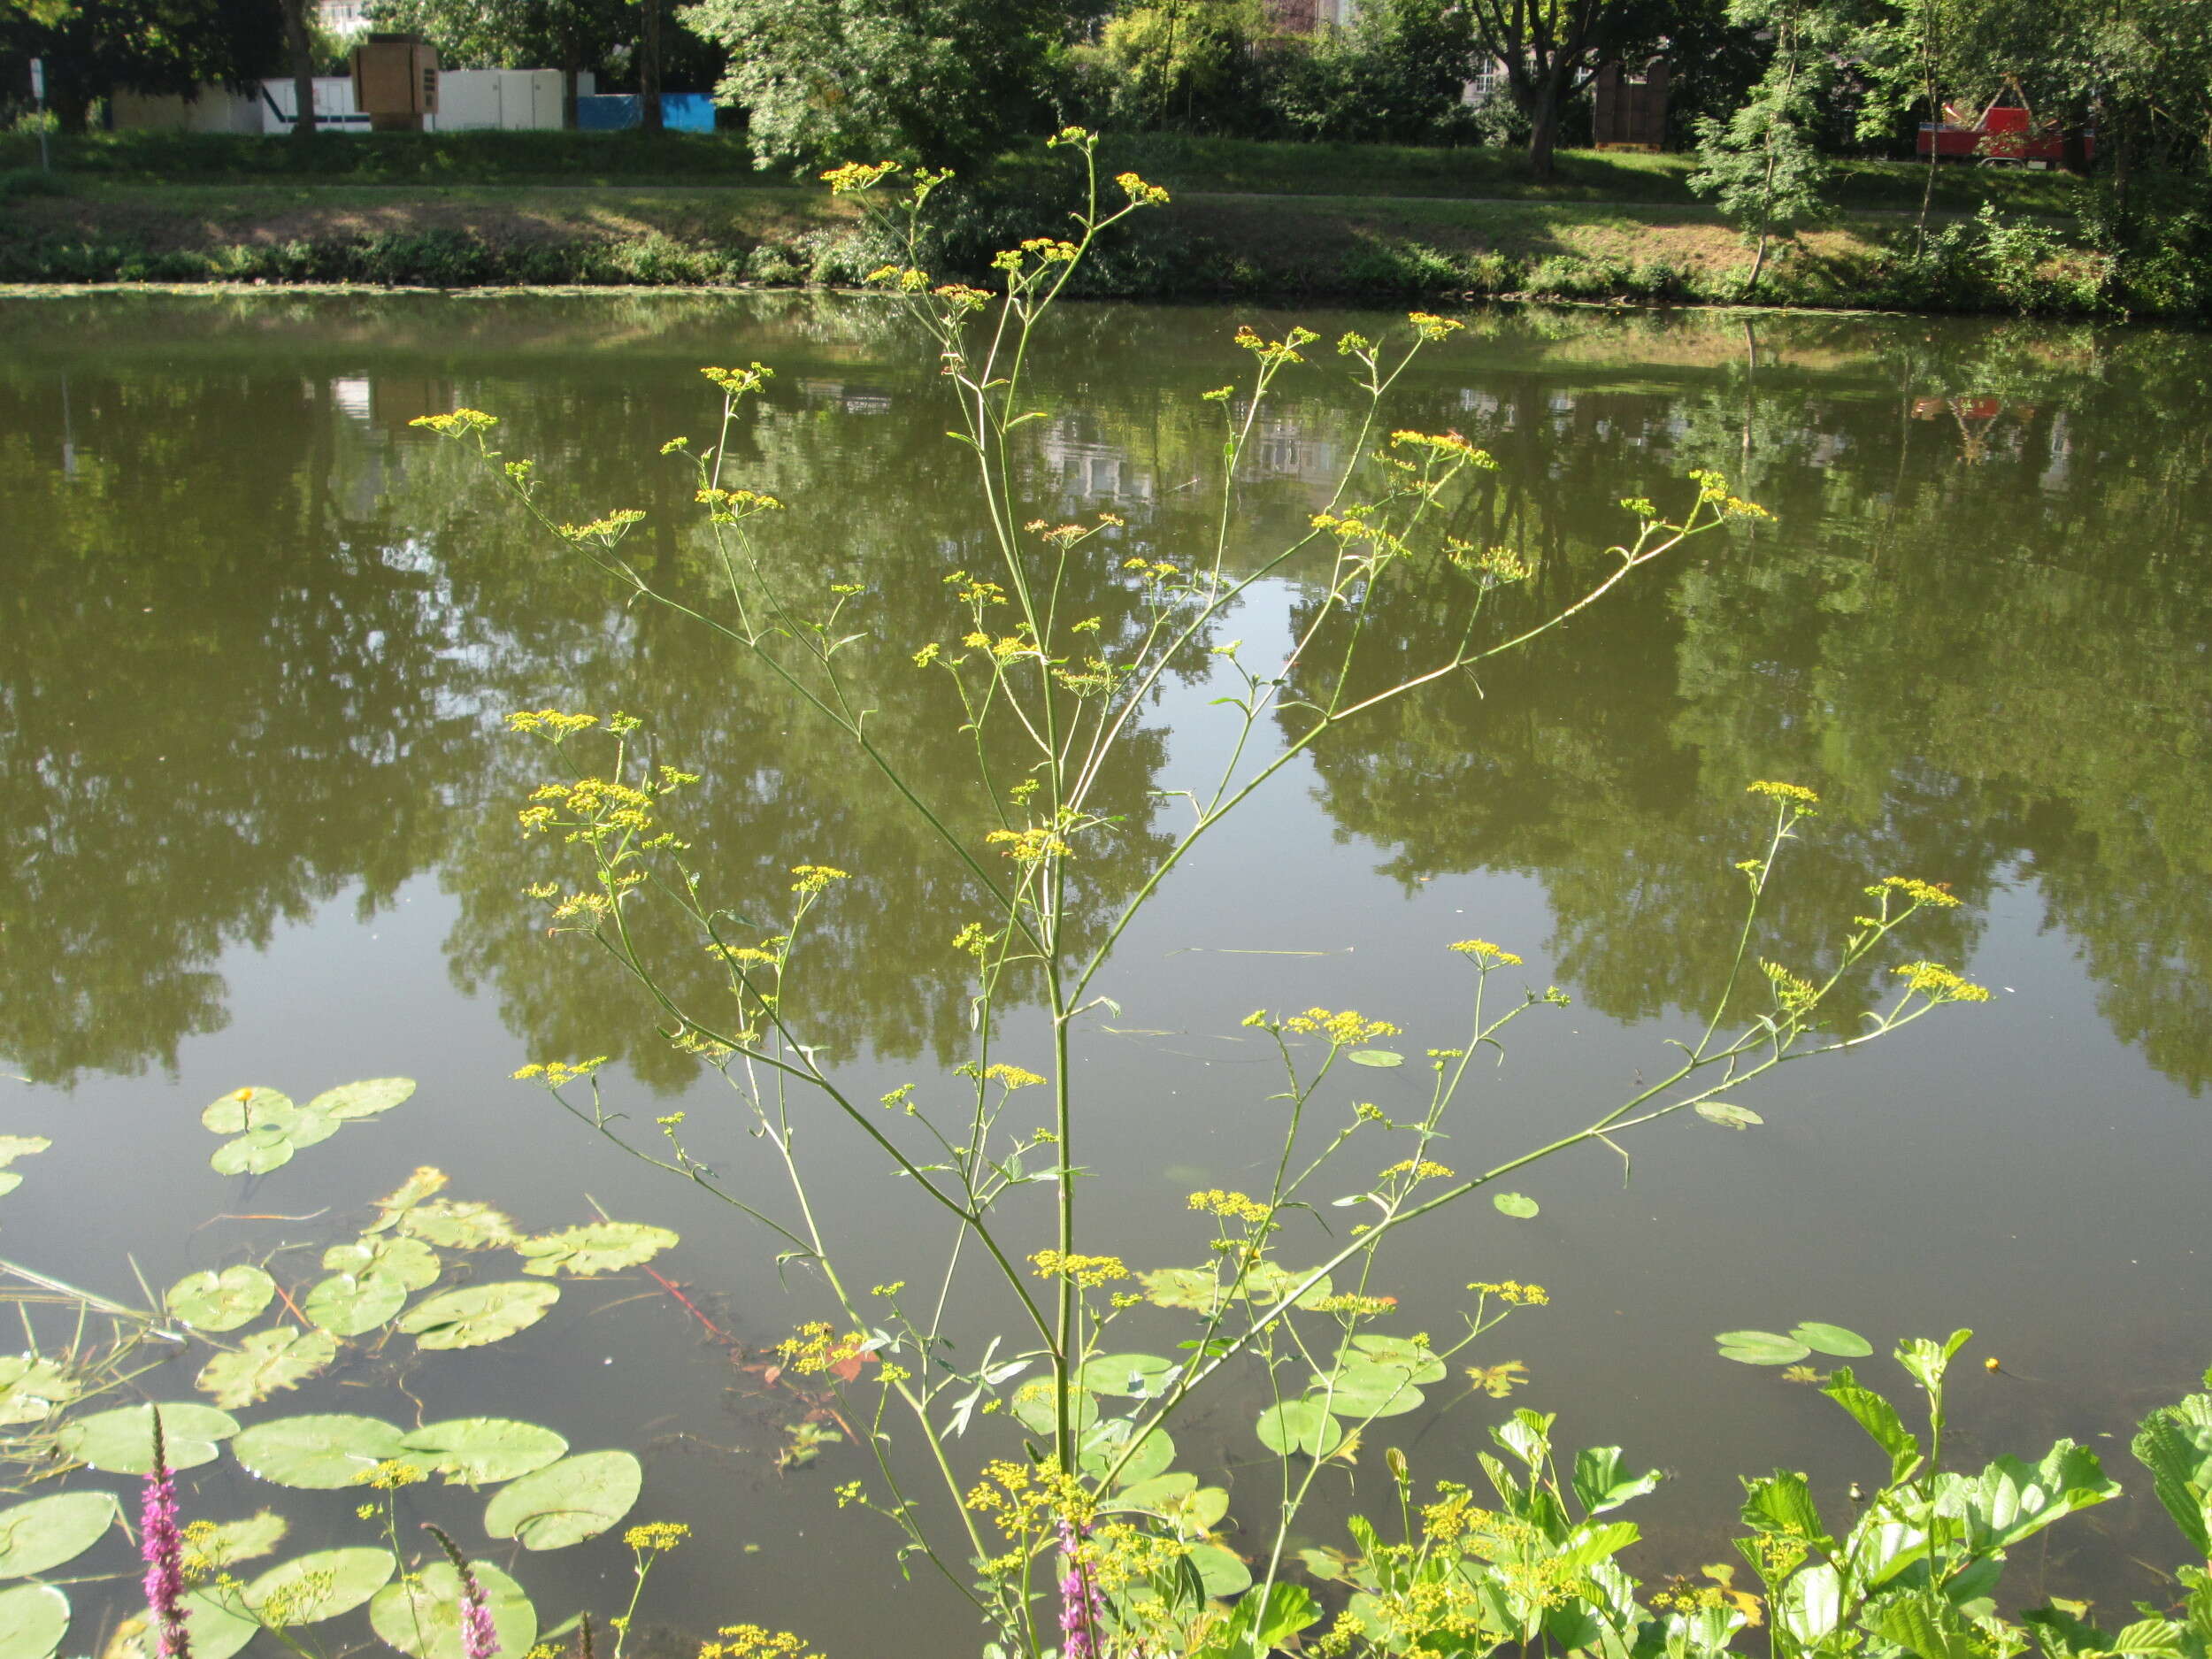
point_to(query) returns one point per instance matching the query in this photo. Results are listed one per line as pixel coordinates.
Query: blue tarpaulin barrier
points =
(615, 111)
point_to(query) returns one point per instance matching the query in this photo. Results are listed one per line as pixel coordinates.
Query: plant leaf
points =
(566, 1502)
(363, 1099)
(410, 1261)
(1760, 1348)
(1401, 1352)
(38, 1536)
(34, 1619)
(459, 1224)
(1376, 1057)
(121, 1441)
(1220, 1572)
(1368, 1391)
(217, 1627)
(481, 1451)
(1300, 1425)
(600, 1246)
(312, 1588)
(318, 1452)
(479, 1314)
(267, 1362)
(1601, 1484)
(347, 1304)
(240, 1110)
(1139, 1375)
(1100, 1448)
(34, 1388)
(421, 1614)
(220, 1302)
(1031, 1406)
(1191, 1288)
(412, 1191)
(1519, 1205)
(1830, 1339)
(1728, 1114)
(233, 1541)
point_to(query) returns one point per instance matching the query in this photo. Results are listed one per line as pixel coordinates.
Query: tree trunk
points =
(301, 48)
(70, 105)
(1543, 127)
(569, 72)
(649, 69)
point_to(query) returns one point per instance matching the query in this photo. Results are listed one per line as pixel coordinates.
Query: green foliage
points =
(565, 1503)
(1393, 77)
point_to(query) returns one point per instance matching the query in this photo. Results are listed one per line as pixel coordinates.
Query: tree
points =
(94, 48)
(1550, 49)
(649, 66)
(299, 46)
(944, 83)
(1394, 76)
(1761, 164)
(571, 35)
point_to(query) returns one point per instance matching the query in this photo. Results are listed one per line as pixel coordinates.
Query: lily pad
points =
(265, 1362)
(1101, 1446)
(394, 1206)
(1370, 1391)
(318, 1452)
(33, 1387)
(122, 1441)
(1191, 1288)
(1032, 1406)
(1728, 1114)
(1760, 1348)
(347, 1304)
(482, 1450)
(566, 1502)
(221, 1302)
(14, 1146)
(40, 1535)
(233, 1541)
(365, 1099)
(394, 1255)
(459, 1224)
(601, 1247)
(1518, 1205)
(217, 1626)
(34, 1619)
(1220, 1572)
(1140, 1376)
(421, 1614)
(1385, 1057)
(1179, 1500)
(1400, 1353)
(477, 1314)
(1264, 1282)
(266, 1129)
(1831, 1339)
(309, 1589)
(1300, 1425)
(237, 1111)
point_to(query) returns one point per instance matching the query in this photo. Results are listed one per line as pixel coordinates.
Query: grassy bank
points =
(1338, 220)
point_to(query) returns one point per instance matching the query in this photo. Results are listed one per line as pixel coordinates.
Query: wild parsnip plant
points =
(1095, 1543)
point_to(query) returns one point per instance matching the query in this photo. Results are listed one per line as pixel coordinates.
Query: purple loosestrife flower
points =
(1080, 1613)
(162, 1544)
(480, 1639)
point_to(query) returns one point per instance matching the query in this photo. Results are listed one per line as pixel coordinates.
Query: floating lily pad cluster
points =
(369, 1282)
(1767, 1347)
(265, 1128)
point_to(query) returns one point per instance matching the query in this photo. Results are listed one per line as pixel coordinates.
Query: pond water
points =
(258, 635)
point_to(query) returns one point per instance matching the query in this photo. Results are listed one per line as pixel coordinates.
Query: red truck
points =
(2004, 133)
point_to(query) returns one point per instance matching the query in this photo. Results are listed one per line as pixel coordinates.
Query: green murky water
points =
(256, 635)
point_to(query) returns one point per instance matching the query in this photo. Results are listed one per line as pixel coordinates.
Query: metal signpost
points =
(38, 97)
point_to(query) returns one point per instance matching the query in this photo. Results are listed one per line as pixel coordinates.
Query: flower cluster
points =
(1792, 792)
(1939, 984)
(552, 722)
(1422, 1170)
(752, 1642)
(816, 1346)
(556, 1073)
(1487, 954)
(1513, 1293)
(1342, 1030)
(1233, 1206)
(1089, 1271)
(1918, 892)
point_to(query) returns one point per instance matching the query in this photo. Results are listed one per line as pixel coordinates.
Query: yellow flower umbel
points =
(1089, 1271)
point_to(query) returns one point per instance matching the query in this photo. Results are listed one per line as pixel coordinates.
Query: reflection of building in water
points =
(1281, 449)
(1090, 469)
(854, 400)
(373, 413)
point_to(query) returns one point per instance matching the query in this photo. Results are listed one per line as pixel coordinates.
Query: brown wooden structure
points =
(395, 82)
(1631, 111)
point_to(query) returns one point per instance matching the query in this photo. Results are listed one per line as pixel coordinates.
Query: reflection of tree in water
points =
(1984, 667)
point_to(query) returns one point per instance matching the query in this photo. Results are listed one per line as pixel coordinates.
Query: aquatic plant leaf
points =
(1830, 1339)
(1161, 1489)
(347, 1304)
(1368, 1391)
(122, 1441)
(220, 1302)
(1518, 1205)
(566, 1502)
(1264, 1282)
(2009, 1501)
(1193, 1288)
(477, 1314)
(218, 1627)
(479, 1451)
(1375, 1056)
(363, 1099)
(459, 1224)
(412, 1191)
(319, 1452)
(40, 1535)
(1300, 1425)
(600, 1246)
(309, 1589)
(242, 1107)
(1221, 1573)
(1101, 1447)
(33, 1387)
(1032, 1407)
(1601, 1484)
(34, 1619)
(267, 1362)
(1760, 1348)
(411, 1261)
(14, 1146)
(421, 1614)
(233, 1541)
(1404, 1353)
(1728, 1114)
(1140, 1376)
